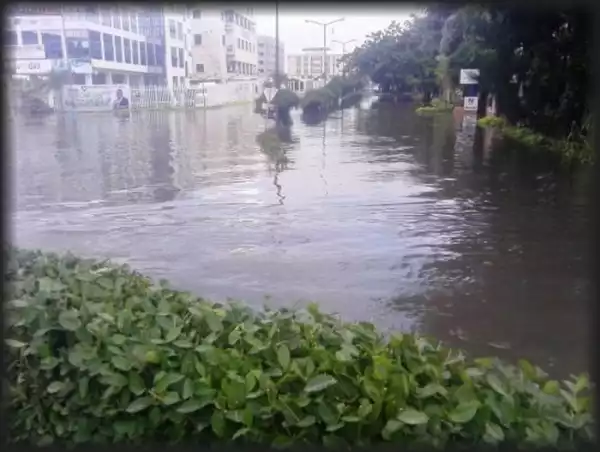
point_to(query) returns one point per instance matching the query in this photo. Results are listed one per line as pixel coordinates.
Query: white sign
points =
(26, 52)
(81, 66)
(469, 76)
(33, 67)
(93, 97)
(470, 103)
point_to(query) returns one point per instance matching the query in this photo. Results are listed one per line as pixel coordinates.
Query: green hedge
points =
(100, 353)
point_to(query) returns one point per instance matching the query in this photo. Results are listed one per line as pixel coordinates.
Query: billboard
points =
(93, 98)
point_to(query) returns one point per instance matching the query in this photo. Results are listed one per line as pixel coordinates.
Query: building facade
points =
(267, 52)
(209, 45)
(98, 45)
(310, 64)
(240, 40)
(178, 58)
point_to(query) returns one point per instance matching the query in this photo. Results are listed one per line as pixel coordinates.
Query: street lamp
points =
(344, 48)
(324, 25)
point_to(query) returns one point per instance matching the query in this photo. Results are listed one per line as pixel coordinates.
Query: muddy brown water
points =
(413, 223)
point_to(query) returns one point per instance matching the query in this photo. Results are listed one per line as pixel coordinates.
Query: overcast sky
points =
(296, 34)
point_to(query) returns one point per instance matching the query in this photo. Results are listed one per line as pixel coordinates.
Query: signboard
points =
(26, 52)
(93, 97)
(470, 103)
(81, 66)
(32, 67)
(39, 9)
(469, 76)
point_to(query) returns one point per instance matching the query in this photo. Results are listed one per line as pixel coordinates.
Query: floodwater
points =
(377, 214)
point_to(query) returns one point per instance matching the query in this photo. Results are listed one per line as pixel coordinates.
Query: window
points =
(175, 79)
(261, 53)
(118, 79)
(10, 38)
(99, 78)
(159, 54)
(239, 43)
(198, 40)
(78, 79)
(135, 47)
(29, 37)
(151, 54)
(261, 62)
(134, 22)
(127, 46)
(223, 39)
(172, 28)
(179, 31)
(173, 57)
(52, 45)
(109, 49)
(105, 18)
(118, 49)
(95, 45)
(180, 52)
(143, 53)
(78, 47)
(196, 14)
(199, 68)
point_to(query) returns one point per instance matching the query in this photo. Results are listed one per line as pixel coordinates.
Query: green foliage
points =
(286, 99)
(437, 106)
(569, 149)
(99, 353)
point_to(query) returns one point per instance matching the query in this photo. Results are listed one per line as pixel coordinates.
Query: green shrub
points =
(437, 106)
(570, 149)
(100, 353)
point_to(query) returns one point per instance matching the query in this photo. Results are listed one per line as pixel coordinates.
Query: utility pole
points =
(344, 49)
(277, 82)
(324, 25)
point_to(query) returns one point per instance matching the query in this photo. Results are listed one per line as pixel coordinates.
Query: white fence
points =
(201, 96)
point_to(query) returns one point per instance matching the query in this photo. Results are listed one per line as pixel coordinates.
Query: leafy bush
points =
(437, 106)
(100, 353)
(570, 149)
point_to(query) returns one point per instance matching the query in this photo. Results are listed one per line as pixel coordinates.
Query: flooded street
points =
(376, 214)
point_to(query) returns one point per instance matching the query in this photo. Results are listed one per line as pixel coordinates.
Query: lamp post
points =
(344, 48)
(324, 25)
(277, 81)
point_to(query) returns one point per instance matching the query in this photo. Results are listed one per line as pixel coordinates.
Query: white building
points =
(178, 60)
(208, 45)
(240, 39)
(267, 51)
(120, 44)
(310, 64)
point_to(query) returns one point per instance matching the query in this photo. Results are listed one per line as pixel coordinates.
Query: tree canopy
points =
(535, 62)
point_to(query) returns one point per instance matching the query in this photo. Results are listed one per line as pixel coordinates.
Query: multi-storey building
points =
(240, 39)
(310, 64)
(267, 55)
(178, 61)
(208, 45)
(98, 45)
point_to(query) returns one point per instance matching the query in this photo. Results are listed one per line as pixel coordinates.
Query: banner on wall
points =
(94, 97)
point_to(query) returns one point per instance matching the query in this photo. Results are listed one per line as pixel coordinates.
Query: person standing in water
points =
(121, 101)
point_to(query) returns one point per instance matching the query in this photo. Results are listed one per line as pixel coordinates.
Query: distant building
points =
(310, 64)
(223, 43)
(101, 45)
(267, 52)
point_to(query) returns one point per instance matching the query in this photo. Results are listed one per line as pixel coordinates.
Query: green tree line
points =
(534, 62)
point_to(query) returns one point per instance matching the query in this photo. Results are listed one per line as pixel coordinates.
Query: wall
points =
(211, 53)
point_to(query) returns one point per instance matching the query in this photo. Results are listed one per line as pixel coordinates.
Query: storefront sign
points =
(33, 67)
(93, 97)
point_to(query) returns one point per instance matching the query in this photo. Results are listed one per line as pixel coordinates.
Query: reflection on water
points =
(413, 223)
